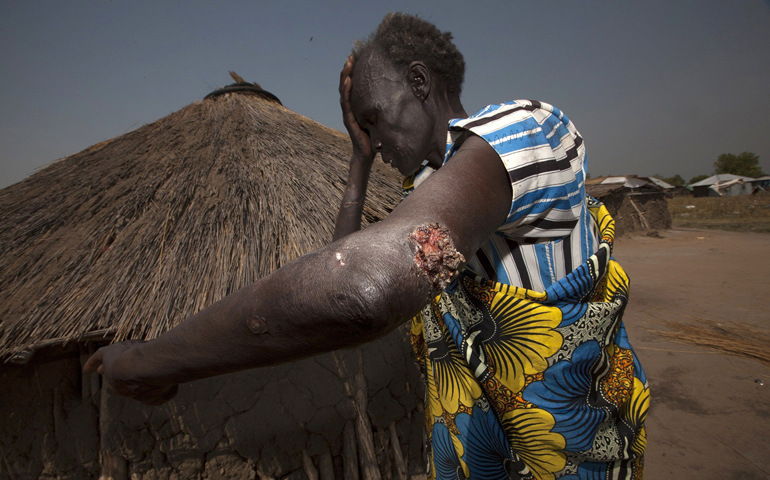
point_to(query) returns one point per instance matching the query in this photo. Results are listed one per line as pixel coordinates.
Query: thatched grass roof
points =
(135, 234)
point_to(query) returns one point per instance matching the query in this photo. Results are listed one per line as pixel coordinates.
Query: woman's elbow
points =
(373, 306)
(380, 284)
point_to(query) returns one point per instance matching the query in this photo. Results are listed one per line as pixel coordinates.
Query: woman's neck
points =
(447, 109)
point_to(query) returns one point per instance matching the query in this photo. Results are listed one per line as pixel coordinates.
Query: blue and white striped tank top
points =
(549, 231)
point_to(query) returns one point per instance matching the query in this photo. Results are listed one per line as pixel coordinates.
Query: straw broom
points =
(728, 337)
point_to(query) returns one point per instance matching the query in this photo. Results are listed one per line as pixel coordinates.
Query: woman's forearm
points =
(352, 205)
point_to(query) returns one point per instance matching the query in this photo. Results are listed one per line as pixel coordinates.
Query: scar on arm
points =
(256, 324)
(436, 255)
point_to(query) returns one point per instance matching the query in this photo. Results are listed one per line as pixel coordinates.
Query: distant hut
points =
(638, 204)
(129, 237)
(723, 185)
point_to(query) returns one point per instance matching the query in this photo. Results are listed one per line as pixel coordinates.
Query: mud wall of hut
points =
(295, 421)
(638, 212)
(48, 429)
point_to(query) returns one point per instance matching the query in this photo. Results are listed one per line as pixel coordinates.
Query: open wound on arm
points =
(436, 255)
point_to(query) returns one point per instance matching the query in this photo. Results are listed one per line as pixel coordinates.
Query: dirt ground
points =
(710, 412)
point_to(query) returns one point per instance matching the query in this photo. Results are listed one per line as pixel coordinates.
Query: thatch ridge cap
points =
(242, 86)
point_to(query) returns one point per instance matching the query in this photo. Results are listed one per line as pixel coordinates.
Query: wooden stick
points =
(398, 457)
(114, 467)
(85, 381)
(349, 452)
(326, 466)
(642, 220)
(103, 334)
(367, 458)
(307, 465)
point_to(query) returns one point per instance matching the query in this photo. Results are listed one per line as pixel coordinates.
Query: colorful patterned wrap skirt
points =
(534, 385)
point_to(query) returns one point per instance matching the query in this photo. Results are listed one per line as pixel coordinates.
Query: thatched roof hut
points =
(136, 233)
(133, 235)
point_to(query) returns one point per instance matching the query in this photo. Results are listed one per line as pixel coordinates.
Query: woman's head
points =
(407, 79)
(403, 38)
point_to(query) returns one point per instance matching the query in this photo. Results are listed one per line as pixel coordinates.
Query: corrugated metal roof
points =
(661, 183)
(722, 177)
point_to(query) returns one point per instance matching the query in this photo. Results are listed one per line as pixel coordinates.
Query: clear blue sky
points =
(654, 86)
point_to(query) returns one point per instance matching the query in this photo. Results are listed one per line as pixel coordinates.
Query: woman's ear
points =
(420, 80)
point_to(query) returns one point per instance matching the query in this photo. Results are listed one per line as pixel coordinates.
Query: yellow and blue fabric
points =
(529, 372)
(534, 385)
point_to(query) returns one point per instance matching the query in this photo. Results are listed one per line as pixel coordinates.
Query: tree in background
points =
(745, 164)
(698, 178)
(676, 180)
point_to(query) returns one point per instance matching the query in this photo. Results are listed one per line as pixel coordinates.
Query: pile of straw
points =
(135, 234)
(727, 337)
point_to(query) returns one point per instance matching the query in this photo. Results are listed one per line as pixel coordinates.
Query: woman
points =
(496, 254)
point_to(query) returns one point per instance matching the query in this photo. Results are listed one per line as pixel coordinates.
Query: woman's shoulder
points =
(518, 125)
(498, 110)
(500, 114)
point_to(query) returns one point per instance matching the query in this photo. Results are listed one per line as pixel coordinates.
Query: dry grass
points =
(727, 337)
(746, 213)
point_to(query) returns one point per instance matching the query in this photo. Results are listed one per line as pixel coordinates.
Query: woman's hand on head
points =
(112, 363)
(362, 147)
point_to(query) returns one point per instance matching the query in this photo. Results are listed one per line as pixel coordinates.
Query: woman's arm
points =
(352, 206)
(353, 291)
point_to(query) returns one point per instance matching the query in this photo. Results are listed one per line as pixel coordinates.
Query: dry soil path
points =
(710, 412)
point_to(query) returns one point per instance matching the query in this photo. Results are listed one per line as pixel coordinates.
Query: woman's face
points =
(389, 110)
